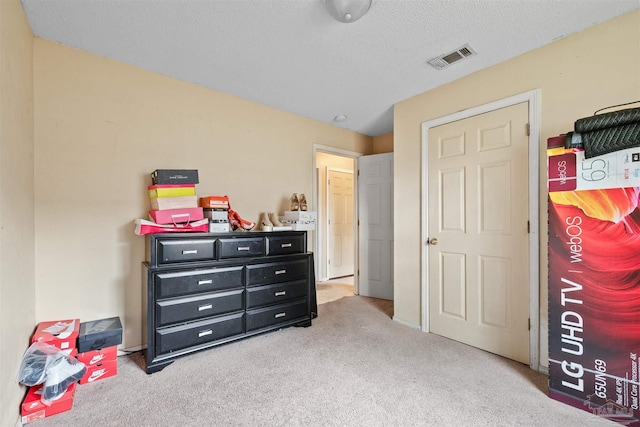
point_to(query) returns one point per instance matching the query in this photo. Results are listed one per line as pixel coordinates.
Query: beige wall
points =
(383, 143)
(101, 128)
(577, 75)
(17, 279)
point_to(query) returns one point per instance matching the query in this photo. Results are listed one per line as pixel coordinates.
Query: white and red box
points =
(58, 333)
(34, 409)
(176, 216)
(99, 371)
(96, 357)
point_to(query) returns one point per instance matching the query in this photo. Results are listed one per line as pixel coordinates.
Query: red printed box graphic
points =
(100, 371)
(58, 333)
(95, 357)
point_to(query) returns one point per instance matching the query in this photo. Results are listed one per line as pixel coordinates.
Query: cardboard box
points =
(94, 357)
(215, 202)
(162, 203)
(174, 176)
(100, 371)
(593, 284)
(176, 216)
(34, 409)
(58, 333)
(171, 190)
(99, 334)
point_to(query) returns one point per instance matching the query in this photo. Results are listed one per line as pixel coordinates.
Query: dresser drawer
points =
(274, 294)
(197, 307)
(269, 316)
(173, 251)
(285, 245)
(240, 247)
(188, 282)
(201, 332)
(276, 272)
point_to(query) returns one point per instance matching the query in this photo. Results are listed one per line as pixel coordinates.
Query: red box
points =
(34, 409)
(100, 371)
(58, 333)
(176, 216)
(215, 202)
(94, 357)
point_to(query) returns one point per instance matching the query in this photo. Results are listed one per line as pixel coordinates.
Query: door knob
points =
(433, 241)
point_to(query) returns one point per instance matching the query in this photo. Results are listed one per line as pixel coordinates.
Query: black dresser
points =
(207, 289)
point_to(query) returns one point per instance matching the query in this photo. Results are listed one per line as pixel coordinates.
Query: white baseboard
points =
(405, 323)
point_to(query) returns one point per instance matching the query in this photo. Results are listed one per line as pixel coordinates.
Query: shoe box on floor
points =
(101, 364)
(34, 409)
(58, 333)
(174, 176)
(99, 334)
(98, 348)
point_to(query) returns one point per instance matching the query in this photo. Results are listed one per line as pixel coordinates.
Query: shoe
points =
(238, 223)
(60, 375)
(266, 224)
(274, 220)
(295, 205)
(303, 202)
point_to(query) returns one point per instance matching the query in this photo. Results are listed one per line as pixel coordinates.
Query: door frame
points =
(327, 204)
(320, 227)
(533, 99)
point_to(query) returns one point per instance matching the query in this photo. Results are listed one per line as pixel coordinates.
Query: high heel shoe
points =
(295, 204)
(303, 202)
(274, 220)
(238, 223)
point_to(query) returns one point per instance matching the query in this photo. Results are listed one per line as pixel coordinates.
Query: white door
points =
(340, 260)
(478, 230)
(375, 198)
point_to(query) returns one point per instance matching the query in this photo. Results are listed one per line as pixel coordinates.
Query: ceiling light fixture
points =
(340, 118)
(347, 10)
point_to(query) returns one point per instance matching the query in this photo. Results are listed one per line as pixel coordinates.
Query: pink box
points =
(34, 409)
(177, 216)
(58, 333)
(100, 371)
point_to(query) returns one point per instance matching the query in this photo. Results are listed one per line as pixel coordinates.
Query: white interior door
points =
(478, 229)
(375, 198)
(340, 259)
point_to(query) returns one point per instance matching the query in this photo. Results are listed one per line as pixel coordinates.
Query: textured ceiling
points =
(292, 55)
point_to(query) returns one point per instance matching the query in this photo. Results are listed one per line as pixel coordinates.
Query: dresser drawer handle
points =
(281, 293)
(277, 316)
(285, 245)
(190, 252)
(281, 271)
(205, 282)
(205, 333)
(243, 248)
(205, 307)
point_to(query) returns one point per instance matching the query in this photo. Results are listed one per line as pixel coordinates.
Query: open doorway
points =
(336, 240)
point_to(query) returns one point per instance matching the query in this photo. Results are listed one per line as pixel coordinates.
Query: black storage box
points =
(99, 334)
(174, 176)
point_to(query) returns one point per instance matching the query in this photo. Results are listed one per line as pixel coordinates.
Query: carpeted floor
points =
(353, 367)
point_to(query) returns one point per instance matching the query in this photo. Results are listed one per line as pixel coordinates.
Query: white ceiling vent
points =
(449, 58)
